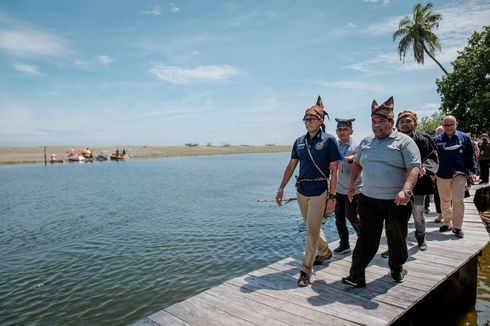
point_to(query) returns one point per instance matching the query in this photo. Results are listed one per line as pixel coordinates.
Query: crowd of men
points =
(379, 183)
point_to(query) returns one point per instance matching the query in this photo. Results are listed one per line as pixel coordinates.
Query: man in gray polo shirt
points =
(389, 162)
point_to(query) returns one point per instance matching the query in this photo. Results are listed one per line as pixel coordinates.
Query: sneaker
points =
(445, 228)
(357, 283)
(397, 276)
(320, 259)
(458, 233)
(423, 246)
(341, 250)
(385, 254)
(304, 279)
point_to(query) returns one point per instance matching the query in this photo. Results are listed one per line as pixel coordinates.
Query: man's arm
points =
(354, 175)
(334, 167)
(285, 179)
(403, 197)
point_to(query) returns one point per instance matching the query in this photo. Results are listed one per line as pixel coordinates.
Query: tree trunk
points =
(433, 58)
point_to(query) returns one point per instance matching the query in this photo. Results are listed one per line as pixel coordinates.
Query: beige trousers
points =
(451, 192)
(312, 209)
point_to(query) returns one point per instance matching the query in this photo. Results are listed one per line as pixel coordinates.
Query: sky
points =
(160, 73)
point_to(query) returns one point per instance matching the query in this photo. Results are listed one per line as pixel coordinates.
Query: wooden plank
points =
(162, 317)
(197, 312)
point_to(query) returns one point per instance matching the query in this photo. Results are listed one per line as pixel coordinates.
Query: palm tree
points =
(417, 33)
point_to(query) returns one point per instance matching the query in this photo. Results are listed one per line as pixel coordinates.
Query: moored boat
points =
(55, 160)
(120, 156)
(75, 157)
(101, 157)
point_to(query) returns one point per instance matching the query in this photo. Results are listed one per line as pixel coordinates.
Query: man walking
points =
(407, 123)
(344, 208)
(484, 159)
(389, 161)
(456, 163)
(318, 155)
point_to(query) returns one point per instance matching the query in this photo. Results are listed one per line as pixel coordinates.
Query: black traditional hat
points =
(344, 122)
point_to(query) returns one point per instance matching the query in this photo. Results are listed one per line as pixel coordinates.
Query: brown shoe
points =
(320, 259)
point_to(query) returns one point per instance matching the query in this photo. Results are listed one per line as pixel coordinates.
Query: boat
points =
(119, 156)
(101, 157)
(87, 153)
(55, 160)
(75, 157)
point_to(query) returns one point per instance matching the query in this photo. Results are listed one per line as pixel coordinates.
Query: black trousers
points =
(484, 170)
(373, 212)
(344, 209)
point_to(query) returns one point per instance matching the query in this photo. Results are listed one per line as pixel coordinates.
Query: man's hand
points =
(350, 193)
(279, 197)
(422, 172)
(330, 208)
(402, 199)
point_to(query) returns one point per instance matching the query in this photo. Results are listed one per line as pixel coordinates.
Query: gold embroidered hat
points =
(385, 110)
(317, 109)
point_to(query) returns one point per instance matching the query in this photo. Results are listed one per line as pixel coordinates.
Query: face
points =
(344, 133)
(312, 123)
(449, 124)
(406, 125)
(381, 126)
(484, 138)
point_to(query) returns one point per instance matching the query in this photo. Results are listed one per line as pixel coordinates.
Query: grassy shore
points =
(26, 155)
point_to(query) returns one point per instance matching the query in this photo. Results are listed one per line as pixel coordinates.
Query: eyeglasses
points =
(343, 129)
(310, 119)
(447, 126)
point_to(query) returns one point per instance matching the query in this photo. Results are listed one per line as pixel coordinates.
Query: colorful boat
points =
(87, 153)
(75, 157)
(119, 156)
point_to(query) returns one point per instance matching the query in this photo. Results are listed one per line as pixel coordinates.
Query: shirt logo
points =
(319, 146)
(301, 145)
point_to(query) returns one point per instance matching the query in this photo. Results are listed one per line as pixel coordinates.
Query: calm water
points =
(109, 243)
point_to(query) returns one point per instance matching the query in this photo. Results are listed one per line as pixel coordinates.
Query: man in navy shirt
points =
(318, 155)
(456, 163)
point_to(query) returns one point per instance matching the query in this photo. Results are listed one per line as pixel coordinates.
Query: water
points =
(109, 243)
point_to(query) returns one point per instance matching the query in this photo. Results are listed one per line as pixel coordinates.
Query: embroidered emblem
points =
(301, 145)
(319, 146)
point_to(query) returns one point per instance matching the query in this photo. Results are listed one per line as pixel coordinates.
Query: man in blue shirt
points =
(318, 155)
(456, 163)
(389, 162)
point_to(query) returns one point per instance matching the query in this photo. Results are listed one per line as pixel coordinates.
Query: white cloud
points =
(429, 107)
(388, 26)
(371, 1)
(27, 41)
(354, 85)
(174, 8)
(155, 11)
(351, 25)
(27, 69)
(179, 75)
(104, 60)
(386, 2)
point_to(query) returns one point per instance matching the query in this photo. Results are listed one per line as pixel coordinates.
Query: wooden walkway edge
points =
(270, 296)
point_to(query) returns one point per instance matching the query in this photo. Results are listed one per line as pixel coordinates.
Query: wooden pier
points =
(270, 296)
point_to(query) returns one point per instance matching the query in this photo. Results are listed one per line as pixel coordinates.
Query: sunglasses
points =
(447, 126)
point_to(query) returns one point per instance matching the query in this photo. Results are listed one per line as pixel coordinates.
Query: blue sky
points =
(113, 72)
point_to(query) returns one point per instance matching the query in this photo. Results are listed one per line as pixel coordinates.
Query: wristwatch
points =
(332, 196)
(409, 193)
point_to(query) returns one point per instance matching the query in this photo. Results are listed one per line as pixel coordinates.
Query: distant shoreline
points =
(32, 155)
